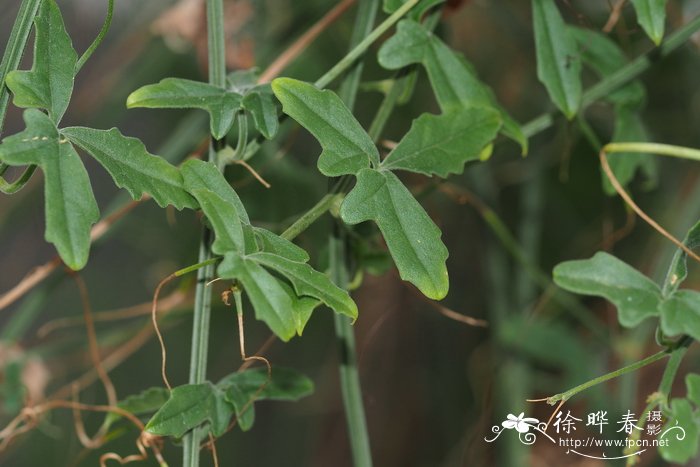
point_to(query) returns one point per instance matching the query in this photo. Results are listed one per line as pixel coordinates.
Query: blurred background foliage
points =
(433, 386)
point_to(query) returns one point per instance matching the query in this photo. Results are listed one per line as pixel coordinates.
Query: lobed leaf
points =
(273, 243)
(260, 104)
(412, 237)
(147, 401)
(271, 302)
(454, 82)
(682, 444)
(635, 295)
(302, 307)
(347, 148)
(244, 388)
(188, 407)
(49, 84)
(678, 270)
(224, 220)
(605, 57)
(558, 60)
(680, 314)
(442, 144)
(651, 16)
(131, 166)
(200, 175)
(71, 208)
(307, 281)
(178, 93)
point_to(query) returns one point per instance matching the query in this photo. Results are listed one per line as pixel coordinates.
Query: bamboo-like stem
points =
(15, 48)
(202, 299)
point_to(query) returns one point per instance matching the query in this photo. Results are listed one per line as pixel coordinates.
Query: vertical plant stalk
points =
(349, 374)
(345, 334)
(15, 48)
(202, 304)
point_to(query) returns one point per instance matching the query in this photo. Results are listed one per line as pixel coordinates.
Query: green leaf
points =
(651, 16)
(605, 57)
(681, 432)
(49, 84)
(412, 237)
(71, 208)
(628, 127)
(307, 281)
(442, 144)
(680, 314)
(273, 243)
(200, 175)
(692, 383)
(271, 302)
(678, 270)
(635, 295)
(131, 166)
(243, 388)
(558, 60)
(224, 220)
(454, 82)
(178, 93)
(188, 407)
(302, 307)
(347, 148)
(147, 401)
(242, 81)
(261, 105)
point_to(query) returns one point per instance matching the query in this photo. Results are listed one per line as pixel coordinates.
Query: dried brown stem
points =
(623, 194)
(169, 302)
(154, 320)
(252, 171)
(294, 50)
(40, 273)
(614, 17)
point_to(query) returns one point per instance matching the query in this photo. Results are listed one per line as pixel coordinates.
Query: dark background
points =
(433, 387)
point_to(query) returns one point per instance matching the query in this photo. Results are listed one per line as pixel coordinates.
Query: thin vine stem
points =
(15, 49)
(10, 188)
(350, 386)
(363, 45)
(100, 37)
(680, 152)
(216, 46)
(623, 76)
(565, 396)
(311, 216)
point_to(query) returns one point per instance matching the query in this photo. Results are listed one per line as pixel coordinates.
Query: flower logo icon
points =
(520, 423)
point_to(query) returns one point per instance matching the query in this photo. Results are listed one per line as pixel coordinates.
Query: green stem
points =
(100, 37)
(14, 50)
(345, 334)
(361, 47)
(202, 303)
(564, 396)
(196, 267)
(661, 396)
(623, 76)
(655, 148)
(349, 374)
(10, 188)
(311, 216)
